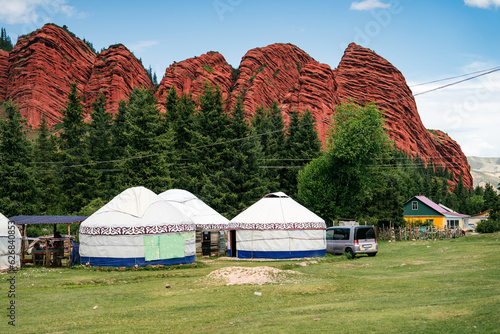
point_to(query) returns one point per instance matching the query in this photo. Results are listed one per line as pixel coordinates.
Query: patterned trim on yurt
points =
(278, 226)
(134, 230)
(213, 226)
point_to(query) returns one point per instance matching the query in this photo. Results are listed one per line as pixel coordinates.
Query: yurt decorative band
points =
(278, 226)
(135, 230)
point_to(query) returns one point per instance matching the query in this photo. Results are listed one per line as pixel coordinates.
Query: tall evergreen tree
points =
(301, 146)
(17, 184)
(268, 124)
(211, 155)
(78, 180)
(178, 119)
(248, 178)
(5, 42)
(99, 141)
(47, 170)
(147, 147)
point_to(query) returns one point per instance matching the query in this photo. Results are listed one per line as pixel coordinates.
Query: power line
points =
(481, 73)
(454, 77)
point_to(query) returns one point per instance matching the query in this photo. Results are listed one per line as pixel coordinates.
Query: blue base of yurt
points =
(131, 262)
(243, 254)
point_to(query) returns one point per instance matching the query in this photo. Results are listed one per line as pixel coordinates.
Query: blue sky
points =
(425, 39)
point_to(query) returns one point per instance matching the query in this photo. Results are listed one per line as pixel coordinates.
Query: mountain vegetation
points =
(5, 41)
(225, 158)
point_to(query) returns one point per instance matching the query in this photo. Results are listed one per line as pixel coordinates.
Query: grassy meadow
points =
(443, 286)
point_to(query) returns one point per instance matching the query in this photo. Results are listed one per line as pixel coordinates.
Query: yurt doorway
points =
(232, 240)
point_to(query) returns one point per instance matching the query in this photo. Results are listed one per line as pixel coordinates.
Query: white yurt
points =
(277, 227)
(201, 214)
(210, 225)
(137, 227)
(10, 245)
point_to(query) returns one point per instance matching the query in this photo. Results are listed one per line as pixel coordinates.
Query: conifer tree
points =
(301, 146)
(17, 184)
(147, 146)
(78, 180)
(179, 118)
(248, 179)
(48, 169)
(210, 153)
(268, 124)
(99, 147)
(5, 42)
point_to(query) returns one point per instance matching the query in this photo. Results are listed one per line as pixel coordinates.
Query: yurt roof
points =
(277, 211)
(4, 228)
(137, 211)
(202, 214)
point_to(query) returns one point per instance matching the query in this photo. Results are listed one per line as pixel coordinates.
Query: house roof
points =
(47, 219)
(439, 208)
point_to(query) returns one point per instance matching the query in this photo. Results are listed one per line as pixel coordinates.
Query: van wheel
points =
(350, 252)
(372, 254)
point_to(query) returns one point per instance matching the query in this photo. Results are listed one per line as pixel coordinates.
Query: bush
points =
(488, 226)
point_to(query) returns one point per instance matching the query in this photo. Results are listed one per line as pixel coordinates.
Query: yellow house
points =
(423, 209)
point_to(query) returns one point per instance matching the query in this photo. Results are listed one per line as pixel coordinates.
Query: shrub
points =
(488, 226)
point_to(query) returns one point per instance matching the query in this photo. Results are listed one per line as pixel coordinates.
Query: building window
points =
(452, 224)
(414, 205)
(429, 222)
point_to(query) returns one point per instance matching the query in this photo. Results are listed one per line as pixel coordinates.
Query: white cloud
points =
(485, 4)
(468, 112)
(141, 45)
(369, 5)
(34, 11)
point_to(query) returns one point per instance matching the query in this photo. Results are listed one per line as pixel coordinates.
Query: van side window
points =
(341, 234)
(329, 234)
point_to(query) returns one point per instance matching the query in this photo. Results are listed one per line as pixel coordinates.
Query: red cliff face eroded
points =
(42, 66)
(116, 73)
(4, 65)
(190, 75)
(364, 76)
(38, 72)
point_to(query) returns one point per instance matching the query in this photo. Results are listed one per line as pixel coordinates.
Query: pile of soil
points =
(250, 275)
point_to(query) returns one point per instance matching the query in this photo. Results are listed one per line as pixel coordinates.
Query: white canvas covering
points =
(134, 225)
(202, 214)
(10, 245)
(278, 227)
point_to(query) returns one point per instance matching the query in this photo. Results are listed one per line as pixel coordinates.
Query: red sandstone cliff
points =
(116, 72)
(190, 75)
(37, 74)
(42, 66)
(364, 76)
(4, 65)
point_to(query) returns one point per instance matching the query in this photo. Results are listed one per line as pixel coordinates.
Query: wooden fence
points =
(416, 233)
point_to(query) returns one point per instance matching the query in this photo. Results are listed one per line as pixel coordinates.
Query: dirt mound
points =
(255, 275)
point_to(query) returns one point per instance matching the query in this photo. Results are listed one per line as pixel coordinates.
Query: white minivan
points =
(353, 240)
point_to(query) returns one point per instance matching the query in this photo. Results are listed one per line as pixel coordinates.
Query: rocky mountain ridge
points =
(37, 74)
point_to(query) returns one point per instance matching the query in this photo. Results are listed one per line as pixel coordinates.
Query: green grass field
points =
(444, 286)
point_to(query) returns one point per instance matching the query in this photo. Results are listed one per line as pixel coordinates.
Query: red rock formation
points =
(4, 65)
(116, 73)
(268, 74)
(37, 74)
(190, 75)
(364, 76)
(453, 156)
(42, 66)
